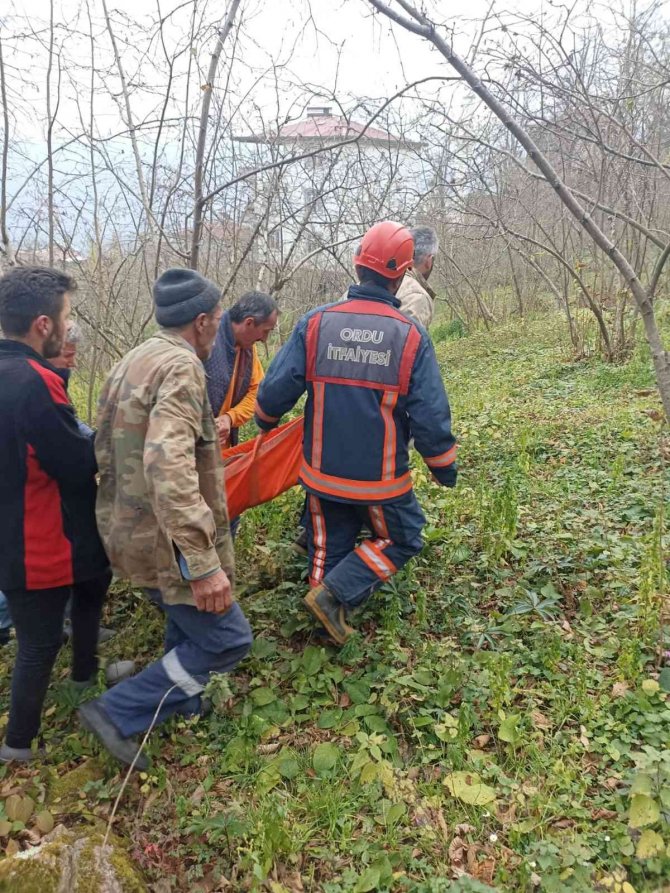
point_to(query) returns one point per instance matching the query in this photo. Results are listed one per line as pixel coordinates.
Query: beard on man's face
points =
(54, 343)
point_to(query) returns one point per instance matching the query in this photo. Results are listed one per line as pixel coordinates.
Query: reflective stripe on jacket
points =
(372, 383)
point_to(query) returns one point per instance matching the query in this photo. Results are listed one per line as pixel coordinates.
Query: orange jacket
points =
(243, 411)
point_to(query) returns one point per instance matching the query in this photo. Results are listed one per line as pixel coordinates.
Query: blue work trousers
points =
(353, 572)
(197, 643)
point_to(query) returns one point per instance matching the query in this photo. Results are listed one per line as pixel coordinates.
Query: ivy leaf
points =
(649, 845)
(644, 810)
(325, 757)
(468, 788)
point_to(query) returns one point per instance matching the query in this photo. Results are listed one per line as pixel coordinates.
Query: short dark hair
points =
(29, 292)
(256, 304)
(365, 274)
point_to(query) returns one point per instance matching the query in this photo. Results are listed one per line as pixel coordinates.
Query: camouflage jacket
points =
(161, 473)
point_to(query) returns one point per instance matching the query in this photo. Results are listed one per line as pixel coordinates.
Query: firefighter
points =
(372, 383)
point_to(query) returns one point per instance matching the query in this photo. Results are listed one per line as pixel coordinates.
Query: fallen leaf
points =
(198, 795)
(442, 824)
(540, 721)
(620, 689)
(467, 787)
(44, 821)
(481, 741)
(457, 851)
(19, 809)
(602, 813)
(507, 816)
(612, 783)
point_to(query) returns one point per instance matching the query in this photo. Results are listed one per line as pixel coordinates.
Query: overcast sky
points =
(346, 49)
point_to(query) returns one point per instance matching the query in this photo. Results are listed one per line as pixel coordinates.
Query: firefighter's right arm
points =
(284, 382)
(430, 416)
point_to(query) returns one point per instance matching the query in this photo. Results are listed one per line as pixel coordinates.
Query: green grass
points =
(485, 727)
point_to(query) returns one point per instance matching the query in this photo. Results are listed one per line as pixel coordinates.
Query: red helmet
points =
(387, 248)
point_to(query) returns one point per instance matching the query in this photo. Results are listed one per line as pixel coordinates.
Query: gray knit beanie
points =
(180, 295)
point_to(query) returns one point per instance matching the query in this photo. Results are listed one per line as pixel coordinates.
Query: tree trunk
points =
(198, 204)
(419, 24)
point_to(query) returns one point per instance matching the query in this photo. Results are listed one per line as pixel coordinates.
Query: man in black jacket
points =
(49, 544)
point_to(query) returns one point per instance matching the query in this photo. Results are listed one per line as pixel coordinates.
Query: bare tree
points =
(415, 21)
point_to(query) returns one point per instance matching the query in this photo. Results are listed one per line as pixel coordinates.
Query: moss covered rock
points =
(64, 789)
(70, 862)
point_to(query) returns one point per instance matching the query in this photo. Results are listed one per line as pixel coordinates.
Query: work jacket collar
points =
(9, 347)
(174, 338)
(369, 292)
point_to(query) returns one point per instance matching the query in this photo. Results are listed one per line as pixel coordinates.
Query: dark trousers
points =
(197, 644)
(353, 572)
(38, 615)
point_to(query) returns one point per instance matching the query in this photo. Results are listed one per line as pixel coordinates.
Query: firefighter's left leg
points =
(397, 537)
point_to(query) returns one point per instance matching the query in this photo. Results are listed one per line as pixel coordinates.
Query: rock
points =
(64, 790)
(70, 860)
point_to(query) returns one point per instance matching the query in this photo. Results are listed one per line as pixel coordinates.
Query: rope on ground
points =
(132, 765)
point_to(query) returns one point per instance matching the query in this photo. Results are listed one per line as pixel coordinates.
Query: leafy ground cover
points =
(502, 720)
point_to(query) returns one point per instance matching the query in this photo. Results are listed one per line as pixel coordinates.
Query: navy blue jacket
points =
(372, 383)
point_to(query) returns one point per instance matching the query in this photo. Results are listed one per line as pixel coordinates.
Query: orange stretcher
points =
(258, 470)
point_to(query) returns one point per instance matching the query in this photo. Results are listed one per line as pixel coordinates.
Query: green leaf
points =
(313, 659)
(468, 788)
(508, 729)
(358, 691)
(369, 772)
(369, 880)
(268, 778)
(329, 719)
(643, 811)
(650, 686)
(376, 723)
(641, 785)
(263, 647)
(649, 845)
(423, 677)
(299, 702)
(19, 809)
(44, 821)
(394, 813)
(664, 679)
(325, 757)
(287, 764)
(263, 696)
